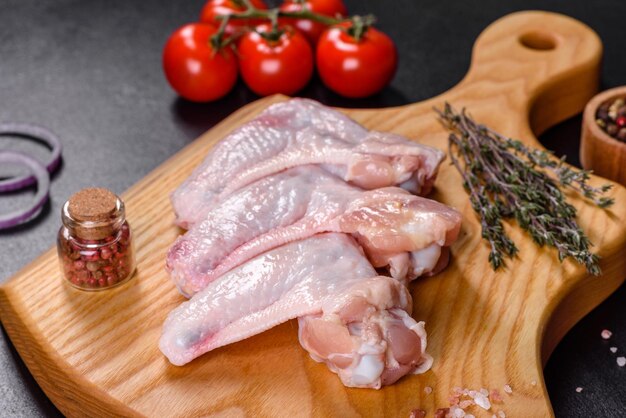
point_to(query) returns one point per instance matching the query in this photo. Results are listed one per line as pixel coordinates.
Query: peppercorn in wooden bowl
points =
(603, 144)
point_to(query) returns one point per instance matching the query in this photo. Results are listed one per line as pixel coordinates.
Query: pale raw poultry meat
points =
(408, 233)
(350, 318)
(299, 132)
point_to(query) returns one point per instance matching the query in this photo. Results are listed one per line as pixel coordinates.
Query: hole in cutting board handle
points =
(538, 41)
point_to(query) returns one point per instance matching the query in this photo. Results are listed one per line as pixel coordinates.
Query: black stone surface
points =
(90, 70)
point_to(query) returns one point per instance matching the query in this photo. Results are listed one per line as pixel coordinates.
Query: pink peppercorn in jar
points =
(95, 242)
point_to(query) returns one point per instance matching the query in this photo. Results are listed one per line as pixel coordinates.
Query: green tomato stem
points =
(359, 26)
(254, 13)
(310, 15)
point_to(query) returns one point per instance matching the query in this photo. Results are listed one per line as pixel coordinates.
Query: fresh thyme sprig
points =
(507, 179)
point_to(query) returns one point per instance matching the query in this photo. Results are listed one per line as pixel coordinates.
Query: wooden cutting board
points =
(97, 354)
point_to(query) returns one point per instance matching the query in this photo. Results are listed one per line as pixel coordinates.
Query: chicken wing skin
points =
(299, 132)
(356, 322)
(407, 233)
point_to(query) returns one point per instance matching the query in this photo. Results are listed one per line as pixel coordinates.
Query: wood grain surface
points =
(96, 354)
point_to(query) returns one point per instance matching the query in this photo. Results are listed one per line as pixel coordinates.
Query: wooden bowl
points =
(599, 151)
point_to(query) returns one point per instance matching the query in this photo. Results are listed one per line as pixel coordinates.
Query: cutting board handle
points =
(545, 65)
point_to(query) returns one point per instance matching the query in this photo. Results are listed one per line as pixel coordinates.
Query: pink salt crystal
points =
(466, 403)
(508, 389)
(484, 391)
(453, 400)
(428, 390)
(457, 390)
(453, 412)
(606, 334)
(579, 389)
(495, 396)
(458, 412)
(501, 414)
(534, 383)
(621, 361)
(482, 401)
(613, 349)
(469, 416)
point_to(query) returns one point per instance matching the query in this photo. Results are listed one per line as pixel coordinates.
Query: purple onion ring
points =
(42, 178)
(40, 134)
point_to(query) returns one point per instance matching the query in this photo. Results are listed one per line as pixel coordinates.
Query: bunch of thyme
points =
(507, 179)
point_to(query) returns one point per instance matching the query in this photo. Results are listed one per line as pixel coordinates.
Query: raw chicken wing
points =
(408, 233)
(299, 132)
(349, 317)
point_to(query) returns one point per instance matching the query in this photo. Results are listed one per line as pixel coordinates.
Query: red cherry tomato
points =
(214, 8)
(282, 66)
(356, 69)
(192, 66)
(312, 30)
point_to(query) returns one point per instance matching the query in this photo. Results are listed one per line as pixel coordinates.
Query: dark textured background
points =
(90, 70)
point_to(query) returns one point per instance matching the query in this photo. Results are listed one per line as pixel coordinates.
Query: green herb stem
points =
(507, 179)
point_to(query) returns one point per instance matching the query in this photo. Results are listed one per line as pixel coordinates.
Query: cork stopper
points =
(93, 204)
(95, 213)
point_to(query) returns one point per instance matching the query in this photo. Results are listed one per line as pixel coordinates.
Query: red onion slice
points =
(42, 178)
(40, 134)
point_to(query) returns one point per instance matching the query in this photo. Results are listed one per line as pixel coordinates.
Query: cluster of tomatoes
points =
(276, 57)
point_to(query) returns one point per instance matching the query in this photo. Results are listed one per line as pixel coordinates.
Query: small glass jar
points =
(95, 242)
